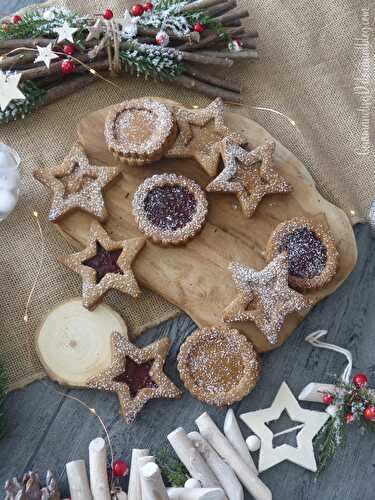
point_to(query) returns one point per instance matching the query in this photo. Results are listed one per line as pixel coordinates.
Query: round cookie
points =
(218, 365)
(139, 131)
(311, 249)
(170, 209)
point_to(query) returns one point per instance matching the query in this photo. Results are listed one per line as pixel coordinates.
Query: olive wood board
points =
(195, 277)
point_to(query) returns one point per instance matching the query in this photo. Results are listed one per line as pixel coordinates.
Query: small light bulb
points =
(195, 106)
(26, 318)
(352, 212)
(93, 411)
(35, 213)
(92, 71)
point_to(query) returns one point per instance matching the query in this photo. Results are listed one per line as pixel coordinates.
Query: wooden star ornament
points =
(136, 375)
(104, 264)
(77, 185)
(249, 175)
(200, 134)
(264, 297)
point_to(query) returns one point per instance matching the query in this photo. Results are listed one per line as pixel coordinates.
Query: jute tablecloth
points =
(315, 66)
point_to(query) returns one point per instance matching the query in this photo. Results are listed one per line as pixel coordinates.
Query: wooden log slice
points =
(196, 277)
(74, 344)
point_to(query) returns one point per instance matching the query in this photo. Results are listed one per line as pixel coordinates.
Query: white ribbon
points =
(313, 339)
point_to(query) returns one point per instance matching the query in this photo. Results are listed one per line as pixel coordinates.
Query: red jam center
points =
(307, 255)
(104, 262)
(170, 207)
(136, 376)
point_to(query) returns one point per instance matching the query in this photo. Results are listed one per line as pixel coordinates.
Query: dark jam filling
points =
(136, 376)
(170, 207)
(306, 253)
(104, 262)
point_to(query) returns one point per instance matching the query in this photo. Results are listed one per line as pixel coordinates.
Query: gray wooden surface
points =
(47, 430)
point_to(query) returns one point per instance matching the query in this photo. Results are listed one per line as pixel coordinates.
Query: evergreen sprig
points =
(350, 401)
(36, 24)
(3, 387)
(209, 22)
(18, 108)
(150, 61)
(172, 470)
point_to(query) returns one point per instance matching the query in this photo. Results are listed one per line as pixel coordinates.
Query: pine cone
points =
(31, 488)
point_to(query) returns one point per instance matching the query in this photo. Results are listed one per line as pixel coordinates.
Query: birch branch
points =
(220, 443)
(196, 494)
(134, 490)
(98, 470)
(78, 481)
(152, 483)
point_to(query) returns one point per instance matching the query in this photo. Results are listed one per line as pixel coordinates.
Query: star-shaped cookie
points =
(264, 297)
(200, 134)
(104, 264)
(136, 374)
(77, 185)
(248, 174)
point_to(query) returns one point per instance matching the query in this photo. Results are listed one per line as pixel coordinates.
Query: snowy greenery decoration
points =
(167, 18)
(150, 61)
(19, 108)
(40, 23)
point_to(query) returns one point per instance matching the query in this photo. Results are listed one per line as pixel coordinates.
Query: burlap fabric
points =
(315, 67)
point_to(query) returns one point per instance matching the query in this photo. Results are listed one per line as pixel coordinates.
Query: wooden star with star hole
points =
(264, 297)
(249, 175)
(77, 185)
(104, 264)
(271, 455)
(200, 134)
(136, 375)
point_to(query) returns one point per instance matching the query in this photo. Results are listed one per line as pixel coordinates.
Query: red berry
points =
(327, 399)
(147, 6)
(137, 10)
(198, 27)
(348, 417)
(16, 19)
(69, 49)
(360, 380)
(120, 468)
(108, 14)
(369, 413)
(67, 67)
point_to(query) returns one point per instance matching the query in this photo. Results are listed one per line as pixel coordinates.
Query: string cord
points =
(313, 339)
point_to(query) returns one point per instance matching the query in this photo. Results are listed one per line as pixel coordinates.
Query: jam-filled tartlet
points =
(218, 365)
(170, 209)
(311, 250)
(139, 131)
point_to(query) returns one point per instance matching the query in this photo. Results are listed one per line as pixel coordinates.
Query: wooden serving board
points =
(196, 278)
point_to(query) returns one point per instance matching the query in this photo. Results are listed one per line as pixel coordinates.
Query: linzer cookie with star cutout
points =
(77, 185)
(249, 175)
(103, 265)
(264, 297)
(136, 375)
(169, 209)
(218, 365)
(200, 132)
(311, 249)
(139, 131)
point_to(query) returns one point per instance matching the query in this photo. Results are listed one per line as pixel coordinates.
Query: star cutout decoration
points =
(200, 134)
(136, 375)
(77, 185)
(264, 297)
(303, 454)
(65, 32)
(96, 30)
(9, 90)
(104, 264)
(249, 175)
(46, 55)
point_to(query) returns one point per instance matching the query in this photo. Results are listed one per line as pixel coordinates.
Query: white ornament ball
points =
(162, 39)
(253, 443)
(8, 201)
(192, 483)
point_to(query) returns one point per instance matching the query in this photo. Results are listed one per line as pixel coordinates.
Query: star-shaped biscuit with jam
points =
(104, 264)
(200, 134)
(250, 175)
(264, 297)
(77, 185)
(136, 375)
